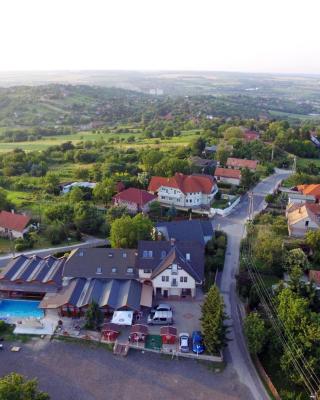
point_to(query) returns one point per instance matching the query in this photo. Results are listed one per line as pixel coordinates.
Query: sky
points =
(214, 35)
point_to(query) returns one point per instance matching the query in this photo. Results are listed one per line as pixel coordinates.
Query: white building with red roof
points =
(228, 175)
(192, 191)
(13, 225)
(135, 200)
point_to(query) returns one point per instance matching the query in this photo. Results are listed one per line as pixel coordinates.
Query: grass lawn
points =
(270, 280)
(5, 245)
(303, 162)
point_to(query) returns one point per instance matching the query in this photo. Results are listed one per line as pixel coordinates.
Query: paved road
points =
(234, 225)
(89, 242)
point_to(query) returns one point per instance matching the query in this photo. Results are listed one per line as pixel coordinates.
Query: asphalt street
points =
(234, 225)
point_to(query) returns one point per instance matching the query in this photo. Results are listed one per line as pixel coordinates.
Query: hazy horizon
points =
(231, 36)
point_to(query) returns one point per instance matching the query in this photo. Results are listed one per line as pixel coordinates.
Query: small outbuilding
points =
(168, 334)
(138, 333)
(110, 332)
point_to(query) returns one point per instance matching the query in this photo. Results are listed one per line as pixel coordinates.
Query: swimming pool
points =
(20, 309)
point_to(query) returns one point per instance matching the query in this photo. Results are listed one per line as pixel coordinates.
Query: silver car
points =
(184, 342)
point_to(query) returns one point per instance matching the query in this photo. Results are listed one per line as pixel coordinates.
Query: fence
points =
(225, 211)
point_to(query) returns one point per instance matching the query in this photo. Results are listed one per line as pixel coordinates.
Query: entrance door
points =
(158, 291)
(165, 293)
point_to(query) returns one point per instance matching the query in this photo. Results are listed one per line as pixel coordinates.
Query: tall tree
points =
(255, 331)
(16, 387)
(213, 321)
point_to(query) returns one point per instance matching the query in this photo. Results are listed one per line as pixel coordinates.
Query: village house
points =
(302, 218)
(135, 200)
(250, 136)
(196, 230)
(239, 163)
(203, 165)
(189, 191)
(227, 175)
(310, 190)
(13, 225)
(173, 268)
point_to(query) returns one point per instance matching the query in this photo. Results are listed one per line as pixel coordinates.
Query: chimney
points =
(173, 241)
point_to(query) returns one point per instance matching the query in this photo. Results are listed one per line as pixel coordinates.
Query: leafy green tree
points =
(197, 146)
(104, 190)
(75, 195)
(116, 212)
(155, 209)
(222, 154)
(87, 218)
(93, 316)
(127, 231)
(4, 202)
(59, 212)
(303, 326)
(56, 232)
(213, 321)
(233, 132)
(296, 258)
(52, 183)
(150, 158)
(82, 174)
(313, 240)
(16, 387)
(248, 178)
(255, 331)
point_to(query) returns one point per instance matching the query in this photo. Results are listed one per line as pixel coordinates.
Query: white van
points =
(160, 318)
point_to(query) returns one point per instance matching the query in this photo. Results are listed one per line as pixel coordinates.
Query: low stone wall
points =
(225, 211)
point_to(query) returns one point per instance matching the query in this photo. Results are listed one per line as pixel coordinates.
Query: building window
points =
(124, 255)
(163, 254)
(147, 254)
(174, 269)
(307, 223)
(165, 278)
(99, 270)
(181, 278)
(114, 269)
(129, 270)
(147, 271)
(185, 279)
(188, 256)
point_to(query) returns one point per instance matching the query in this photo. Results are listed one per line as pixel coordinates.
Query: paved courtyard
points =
(70, 371)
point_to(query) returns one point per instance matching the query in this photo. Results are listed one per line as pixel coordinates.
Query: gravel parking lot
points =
(70, 371)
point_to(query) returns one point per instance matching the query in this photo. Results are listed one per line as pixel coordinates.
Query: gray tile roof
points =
(100, 262)
(164, 253)
(113, 293)
(33, 270)
(194, 230)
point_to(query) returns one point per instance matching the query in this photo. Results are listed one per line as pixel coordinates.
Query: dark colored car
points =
(197, 342)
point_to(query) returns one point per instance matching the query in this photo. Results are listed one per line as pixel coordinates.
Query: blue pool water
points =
(20, 309)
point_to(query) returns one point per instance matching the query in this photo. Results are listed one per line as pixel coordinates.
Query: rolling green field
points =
(44, 143)
(303, 162)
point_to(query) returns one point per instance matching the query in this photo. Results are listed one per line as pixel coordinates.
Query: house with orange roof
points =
(238, 163)
(228, 175)
(310, 190)
(13, 225)
(191, 191)
(302, 218)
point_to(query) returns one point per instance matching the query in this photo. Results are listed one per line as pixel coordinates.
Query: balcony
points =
(174, 283)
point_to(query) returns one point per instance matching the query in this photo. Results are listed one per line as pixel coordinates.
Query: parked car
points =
(197, 342)
(161, 307)
(160, 318)
(184, 342)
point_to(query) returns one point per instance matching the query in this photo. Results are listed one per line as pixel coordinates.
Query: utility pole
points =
(272, 152)
(294, 167)
(250, 206)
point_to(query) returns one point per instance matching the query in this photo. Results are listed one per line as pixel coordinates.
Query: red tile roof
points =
(185, 183)
(134, 195)
(251, 135)
(313, 190)
(314, 276)
(228, 173)
(15, 222)
(241, 163)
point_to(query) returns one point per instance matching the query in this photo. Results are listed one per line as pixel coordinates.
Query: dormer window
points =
(124, 255)
(163, 254)
(174, 269)
(81, 253)
(114, 269)
(99, 270)
(129, 270)
(147, 254)
(110, 255)
(188, 257)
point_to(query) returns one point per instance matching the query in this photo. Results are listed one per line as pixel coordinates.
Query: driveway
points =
(69, 371)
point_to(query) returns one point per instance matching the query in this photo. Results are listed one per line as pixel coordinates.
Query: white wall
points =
(175, 196)
(158, 283)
